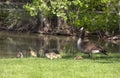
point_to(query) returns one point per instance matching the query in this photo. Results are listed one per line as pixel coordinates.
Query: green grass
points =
(96, 67)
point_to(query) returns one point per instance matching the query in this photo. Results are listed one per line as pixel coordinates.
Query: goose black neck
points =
(82, 34)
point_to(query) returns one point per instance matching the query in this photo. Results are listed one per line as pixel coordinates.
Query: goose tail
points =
(104, 52)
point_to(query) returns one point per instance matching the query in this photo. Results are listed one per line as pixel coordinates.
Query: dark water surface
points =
(12, 43)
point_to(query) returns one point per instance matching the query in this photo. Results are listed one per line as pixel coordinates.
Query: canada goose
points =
(87, 46)
(52, 54)
(19, 55)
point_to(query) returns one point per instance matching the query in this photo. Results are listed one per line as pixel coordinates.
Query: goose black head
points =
(82, 32)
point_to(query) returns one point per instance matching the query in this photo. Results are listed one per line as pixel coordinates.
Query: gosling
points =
(19, 55)
(78, 58)
(52, 54)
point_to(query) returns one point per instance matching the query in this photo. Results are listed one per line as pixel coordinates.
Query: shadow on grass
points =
(99, 58)
(111, 58)
(68, 57)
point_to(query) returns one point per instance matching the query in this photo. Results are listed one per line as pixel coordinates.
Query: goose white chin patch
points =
(95, 51)
(82, 28)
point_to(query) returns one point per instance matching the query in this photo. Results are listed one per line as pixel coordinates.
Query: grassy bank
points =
(97, 67)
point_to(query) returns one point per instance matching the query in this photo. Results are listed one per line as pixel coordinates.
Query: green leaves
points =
(105, 1)
(76, 12)
(37, 5)
(59, 7)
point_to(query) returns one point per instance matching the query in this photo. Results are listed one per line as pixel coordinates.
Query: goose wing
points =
(92, 47)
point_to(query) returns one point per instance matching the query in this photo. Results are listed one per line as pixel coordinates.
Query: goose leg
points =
(90, 55)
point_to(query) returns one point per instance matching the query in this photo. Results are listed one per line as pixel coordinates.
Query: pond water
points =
(11, 43)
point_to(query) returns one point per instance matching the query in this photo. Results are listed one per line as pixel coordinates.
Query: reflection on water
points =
(11, 44)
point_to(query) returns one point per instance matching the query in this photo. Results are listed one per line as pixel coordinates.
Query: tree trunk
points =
(58, 23)
(38, 22)
(119, 15)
